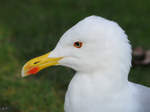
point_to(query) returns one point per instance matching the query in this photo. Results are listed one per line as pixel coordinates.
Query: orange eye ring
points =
(78, 44)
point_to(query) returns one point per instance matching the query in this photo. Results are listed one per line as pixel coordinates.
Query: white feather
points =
(102, 65)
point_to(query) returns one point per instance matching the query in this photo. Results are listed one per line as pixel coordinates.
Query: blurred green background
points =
(29, 28)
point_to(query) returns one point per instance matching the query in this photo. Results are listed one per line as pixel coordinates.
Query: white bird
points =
(99, 51)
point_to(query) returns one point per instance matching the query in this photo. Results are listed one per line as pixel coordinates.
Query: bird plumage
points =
(99, 51)
(102, 66)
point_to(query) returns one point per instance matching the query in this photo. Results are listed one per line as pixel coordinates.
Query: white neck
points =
(106, 78)
(96, 89)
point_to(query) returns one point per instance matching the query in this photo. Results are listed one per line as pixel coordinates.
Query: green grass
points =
(29, 28)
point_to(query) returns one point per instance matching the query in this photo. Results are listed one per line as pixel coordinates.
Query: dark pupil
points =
(77, 44)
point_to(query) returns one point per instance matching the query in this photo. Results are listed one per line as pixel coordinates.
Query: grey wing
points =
(142, 96)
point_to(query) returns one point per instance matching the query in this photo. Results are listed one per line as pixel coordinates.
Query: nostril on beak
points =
(36, 62)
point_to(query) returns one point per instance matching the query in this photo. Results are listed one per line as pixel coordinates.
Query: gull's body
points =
(102, 59)
(84, 95)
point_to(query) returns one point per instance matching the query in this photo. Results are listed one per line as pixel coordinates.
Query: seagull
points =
(99, 51)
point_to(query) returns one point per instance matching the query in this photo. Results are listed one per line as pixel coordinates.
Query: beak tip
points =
(22, 73)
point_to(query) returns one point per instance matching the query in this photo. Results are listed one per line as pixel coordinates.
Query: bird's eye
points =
(77, 44)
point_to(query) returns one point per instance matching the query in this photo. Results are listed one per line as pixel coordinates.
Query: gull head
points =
(93, 44)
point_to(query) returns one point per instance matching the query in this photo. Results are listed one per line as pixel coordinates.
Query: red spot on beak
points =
(33, 70)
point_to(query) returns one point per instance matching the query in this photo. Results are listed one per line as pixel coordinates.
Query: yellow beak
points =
(35, 65)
